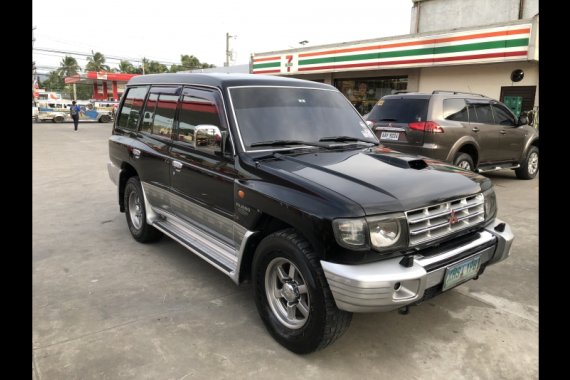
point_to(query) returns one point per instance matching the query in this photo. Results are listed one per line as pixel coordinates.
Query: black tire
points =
(58, 119)
(105, 119)
(316, 321)
(464, 161)
(140, 229)
(529, 166)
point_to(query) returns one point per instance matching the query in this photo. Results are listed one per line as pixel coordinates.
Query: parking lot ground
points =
(107, 307)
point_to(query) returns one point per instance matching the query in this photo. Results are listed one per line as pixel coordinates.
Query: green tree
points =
(68, 67)
(155, 67)
(126, 67)
(96, 62)
(189, 62)
(54, 82)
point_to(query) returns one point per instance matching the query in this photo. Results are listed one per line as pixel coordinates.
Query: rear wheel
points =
(105, 119)
(58, 119)
(464, 161)
(529, 166)
(136, 213)
(292, 295)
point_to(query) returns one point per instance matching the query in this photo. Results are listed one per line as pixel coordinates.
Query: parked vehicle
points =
(471, 131)
(57, 111)
(279, 181)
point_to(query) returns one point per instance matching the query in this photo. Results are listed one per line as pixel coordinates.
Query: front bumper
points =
(387, 285)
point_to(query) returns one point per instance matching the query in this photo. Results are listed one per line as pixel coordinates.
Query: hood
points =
(378, 179)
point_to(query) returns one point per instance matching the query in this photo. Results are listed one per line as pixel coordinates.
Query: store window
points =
(364, 93)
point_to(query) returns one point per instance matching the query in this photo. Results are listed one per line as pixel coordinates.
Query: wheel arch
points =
(465, 145)
(127, 171)
(267, 225)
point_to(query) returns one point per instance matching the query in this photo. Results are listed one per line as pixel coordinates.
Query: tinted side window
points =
(199, 113)
(502, 115)
(148, 114)
(400, 110)
(164, 115)
(481, 113)
(130, 112)
(455, 109)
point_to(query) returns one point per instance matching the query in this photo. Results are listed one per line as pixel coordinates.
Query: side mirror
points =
(523, 120)
(207, 135)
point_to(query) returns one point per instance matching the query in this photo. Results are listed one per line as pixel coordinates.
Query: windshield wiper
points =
(346, 138)
(284, 142)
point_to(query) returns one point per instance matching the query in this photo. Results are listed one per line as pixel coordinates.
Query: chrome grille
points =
(434, 222)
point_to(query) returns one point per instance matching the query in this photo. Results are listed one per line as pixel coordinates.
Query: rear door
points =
(397, 120)
(202, 170)
(156, 135)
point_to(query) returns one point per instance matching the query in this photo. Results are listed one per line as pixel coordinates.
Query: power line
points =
(51, 50)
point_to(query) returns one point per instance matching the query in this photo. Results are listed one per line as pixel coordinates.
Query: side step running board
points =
(493, 168)
(216, 252)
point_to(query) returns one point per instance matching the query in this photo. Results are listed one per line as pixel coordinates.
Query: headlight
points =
(490, 204)
(351, 233)
(386, 232)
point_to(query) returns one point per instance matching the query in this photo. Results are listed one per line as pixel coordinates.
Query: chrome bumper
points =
(387, 285)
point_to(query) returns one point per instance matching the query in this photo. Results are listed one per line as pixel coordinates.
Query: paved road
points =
(107, 307)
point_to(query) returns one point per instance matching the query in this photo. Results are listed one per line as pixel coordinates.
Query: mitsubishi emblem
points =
(453, 218)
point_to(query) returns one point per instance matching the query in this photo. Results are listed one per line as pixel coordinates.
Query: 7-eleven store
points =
(479, 60)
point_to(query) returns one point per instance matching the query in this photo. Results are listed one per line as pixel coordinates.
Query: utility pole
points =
(228, 51)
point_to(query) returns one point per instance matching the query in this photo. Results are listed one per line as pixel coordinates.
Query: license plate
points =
(461, 272)
(389, 136)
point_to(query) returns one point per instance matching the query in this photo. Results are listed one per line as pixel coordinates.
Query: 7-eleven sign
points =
(289, 63)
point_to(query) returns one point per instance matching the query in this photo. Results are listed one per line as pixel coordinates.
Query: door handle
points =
(177, 164)
(475, 129)
(136, 153)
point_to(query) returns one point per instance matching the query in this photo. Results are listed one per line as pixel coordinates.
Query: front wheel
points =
(292, 295)
(105, 119)
(529, 166)
(136, 213)
(58, 119)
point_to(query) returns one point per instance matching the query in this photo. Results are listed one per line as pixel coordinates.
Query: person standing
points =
(74, 111)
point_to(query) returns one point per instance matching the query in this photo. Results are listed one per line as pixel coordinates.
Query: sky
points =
(162, 30)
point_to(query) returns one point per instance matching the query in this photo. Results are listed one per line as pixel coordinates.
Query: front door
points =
(484, 130)
(512, 138)
(202, 174)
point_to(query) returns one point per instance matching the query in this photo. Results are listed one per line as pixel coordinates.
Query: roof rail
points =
(457, 92)
(399, 92)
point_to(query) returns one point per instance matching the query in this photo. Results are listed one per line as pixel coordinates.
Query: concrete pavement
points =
(107, 307)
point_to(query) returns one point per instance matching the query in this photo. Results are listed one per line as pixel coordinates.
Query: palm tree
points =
(96, 62)
(126, 67)
(68, 67)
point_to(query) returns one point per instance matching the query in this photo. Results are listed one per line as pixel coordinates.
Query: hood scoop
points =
(404, 162)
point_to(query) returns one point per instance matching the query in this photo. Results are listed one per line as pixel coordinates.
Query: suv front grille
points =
(433, 222)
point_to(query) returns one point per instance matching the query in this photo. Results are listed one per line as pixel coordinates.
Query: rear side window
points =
(160, 118)
(400, 110)
(455, 109)
(481, 113)
(130, 112)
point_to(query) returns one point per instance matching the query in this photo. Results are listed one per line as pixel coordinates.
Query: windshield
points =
(273, 116)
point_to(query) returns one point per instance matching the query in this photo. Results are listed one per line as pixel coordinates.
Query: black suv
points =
(280, 182)
(471, 131)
